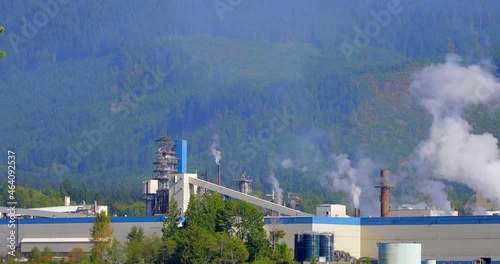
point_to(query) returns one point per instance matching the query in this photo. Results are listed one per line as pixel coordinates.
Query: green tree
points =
(66, 187)
(195, 245)
(171, 218)
(35, 254)
(2, 53)
(281, 252)
(228, 249)
(169, 251)
(151, 248)
(117, 252)
(134, 244)
(247, 223)
(47, 254)
(101, 237)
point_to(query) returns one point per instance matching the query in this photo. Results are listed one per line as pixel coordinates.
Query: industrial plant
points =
(404, 235)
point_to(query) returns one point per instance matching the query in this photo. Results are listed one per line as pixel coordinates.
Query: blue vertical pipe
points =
(182, 156)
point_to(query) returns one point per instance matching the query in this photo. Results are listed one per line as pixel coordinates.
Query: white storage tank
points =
(399, 253)
(430, 261)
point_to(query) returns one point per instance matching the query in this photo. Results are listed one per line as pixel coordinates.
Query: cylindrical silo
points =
(399, 253)
(310, 246)
(430, 261)
(326, 246)
(298, 247)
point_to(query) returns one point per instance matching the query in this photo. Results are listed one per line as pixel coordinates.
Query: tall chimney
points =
(217, 177)
(357, 213)
(385, 193)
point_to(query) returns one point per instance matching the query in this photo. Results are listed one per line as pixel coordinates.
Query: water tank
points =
(430, 261)
(326, 246)
(399, 253)
(310, 246)
(298, 247)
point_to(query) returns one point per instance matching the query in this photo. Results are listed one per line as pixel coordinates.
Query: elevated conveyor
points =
(282, 210)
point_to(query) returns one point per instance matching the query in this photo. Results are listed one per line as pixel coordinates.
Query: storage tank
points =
(310, 246)
(298, 247)
(430, 261)
(326, 249)
(399, 253)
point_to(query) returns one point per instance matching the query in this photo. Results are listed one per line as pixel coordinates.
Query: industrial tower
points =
(171, 159)
(244, 184)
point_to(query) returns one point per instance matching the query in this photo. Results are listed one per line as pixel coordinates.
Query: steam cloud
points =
(436, 190)
(452, 151)
(278, 192)
(352, 180)
(216, 153)
(286, 163)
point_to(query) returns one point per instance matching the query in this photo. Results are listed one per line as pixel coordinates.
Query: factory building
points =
(462, 238)
(64, 234)
(447, 239)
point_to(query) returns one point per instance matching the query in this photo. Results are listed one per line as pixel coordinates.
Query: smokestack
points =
(206, 175)
(217, 177)
(357, 212)
(385, 193)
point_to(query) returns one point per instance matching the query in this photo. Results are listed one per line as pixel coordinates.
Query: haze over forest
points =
(305, 97)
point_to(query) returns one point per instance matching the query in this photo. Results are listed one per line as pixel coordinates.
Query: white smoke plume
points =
(452, 152)
(287, 164)
(437, 193)
(354, 181)
(278, 192)
(216, 153)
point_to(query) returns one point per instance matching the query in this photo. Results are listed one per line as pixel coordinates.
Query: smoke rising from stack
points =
(354, 181)
(216, 153)
(436, 191)
(452, 152)
(278, 192)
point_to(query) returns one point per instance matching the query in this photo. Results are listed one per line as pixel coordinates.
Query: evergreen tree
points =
(171, 218)
(134, 245)
(66, 187)
(151, 248)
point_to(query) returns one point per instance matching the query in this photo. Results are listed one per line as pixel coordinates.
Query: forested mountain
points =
(87, 86)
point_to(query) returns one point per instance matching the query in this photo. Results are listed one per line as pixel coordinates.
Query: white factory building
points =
(445, 238)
